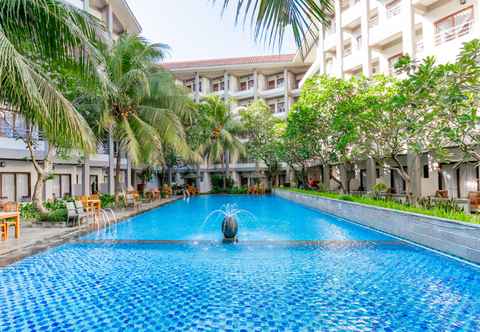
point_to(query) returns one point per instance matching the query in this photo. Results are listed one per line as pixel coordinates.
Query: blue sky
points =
(195, 29)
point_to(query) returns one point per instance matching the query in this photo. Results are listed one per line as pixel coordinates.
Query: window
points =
(218, 86)
(271, 84)
(359, 42)
(281, 107)
(62, 185)
(280, 82)
(454, 26)
(243, 86)
(426, 172)
(15, 186)
(392, 61)
(272, 107)
(251, 83)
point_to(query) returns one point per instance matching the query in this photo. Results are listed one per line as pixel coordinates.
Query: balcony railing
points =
(454, 32)
(420, 47)
(373, 21)
(394, 10)
(18, 132)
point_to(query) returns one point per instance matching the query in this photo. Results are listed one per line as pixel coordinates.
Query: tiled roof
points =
(229, 61)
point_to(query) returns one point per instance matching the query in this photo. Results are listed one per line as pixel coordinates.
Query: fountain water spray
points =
(230, 212)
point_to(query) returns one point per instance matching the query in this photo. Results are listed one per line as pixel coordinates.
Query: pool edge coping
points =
(11, 257)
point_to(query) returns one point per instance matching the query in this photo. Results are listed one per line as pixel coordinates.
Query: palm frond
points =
(272, 18)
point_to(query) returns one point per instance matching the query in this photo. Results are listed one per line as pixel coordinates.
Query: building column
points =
(86, 176)
(255, 84)
(86, 5)
(286, 88)
(414, 165)
(371, 174)
(109, 20)
(226, 79)
(321, 51)
(339, 38)
(196, 93)
(111, 164)
(129, 174)
(365, 47)
(408, 33)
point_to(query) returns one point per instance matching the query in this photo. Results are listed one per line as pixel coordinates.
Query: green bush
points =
(59, 215)
(238, 190)
(107, 200)
(28, 211)
(445, 209)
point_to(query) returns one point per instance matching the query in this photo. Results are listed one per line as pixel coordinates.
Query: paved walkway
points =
(35, 239)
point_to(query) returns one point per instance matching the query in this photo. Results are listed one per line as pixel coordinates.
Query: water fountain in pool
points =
(229, 213)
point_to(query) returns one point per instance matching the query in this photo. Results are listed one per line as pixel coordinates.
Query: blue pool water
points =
(352, 279)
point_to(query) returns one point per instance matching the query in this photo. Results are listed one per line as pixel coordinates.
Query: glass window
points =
(271, 84)
(8, 187)
(280, 82)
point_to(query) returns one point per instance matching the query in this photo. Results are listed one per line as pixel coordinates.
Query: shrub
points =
(59, 215)
(108, 201)
(28, 211)
(379, 188)
(238, 190)
(444, 209)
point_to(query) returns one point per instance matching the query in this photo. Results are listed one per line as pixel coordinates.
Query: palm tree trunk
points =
(227, 168)
(118, 188)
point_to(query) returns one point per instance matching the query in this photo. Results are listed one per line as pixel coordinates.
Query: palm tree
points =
(142, 107)
(272, 17)
(222, 142)
(36, 36)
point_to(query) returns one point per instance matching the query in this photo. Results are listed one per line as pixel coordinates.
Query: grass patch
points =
(394, 205)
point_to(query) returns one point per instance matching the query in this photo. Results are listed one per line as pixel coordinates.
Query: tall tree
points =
(36, 35)
(141, 106)
(222, 143)
(264, 132)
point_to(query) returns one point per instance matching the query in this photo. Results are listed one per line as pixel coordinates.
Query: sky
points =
(196, 29)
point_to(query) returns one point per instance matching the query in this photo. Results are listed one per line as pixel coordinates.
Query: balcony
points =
(241, 94)
(453, 33)
(394, 10)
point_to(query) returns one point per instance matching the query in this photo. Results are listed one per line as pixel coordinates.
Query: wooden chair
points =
(3, 231)
(11, 218)
(474, 200)
(441, 194)
(131, 201)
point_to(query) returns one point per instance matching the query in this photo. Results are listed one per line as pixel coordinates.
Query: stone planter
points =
(455, 238)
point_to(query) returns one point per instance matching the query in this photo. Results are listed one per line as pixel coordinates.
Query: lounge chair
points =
(72, 215)
(80, 210)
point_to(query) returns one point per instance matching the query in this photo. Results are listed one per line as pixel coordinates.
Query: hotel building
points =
(368, 37)
(72, 176)
(364, 37)
(274, 78)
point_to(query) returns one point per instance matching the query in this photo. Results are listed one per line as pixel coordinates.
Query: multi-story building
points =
(276, 79)
(72, 175)
(368, 37)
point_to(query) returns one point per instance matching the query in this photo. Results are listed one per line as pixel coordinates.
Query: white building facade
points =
(275, 79)
(73, 175)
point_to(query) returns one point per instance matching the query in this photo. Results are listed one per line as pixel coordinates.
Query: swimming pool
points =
(293, 269)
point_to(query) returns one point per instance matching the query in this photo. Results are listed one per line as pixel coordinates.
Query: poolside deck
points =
(36, 239)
